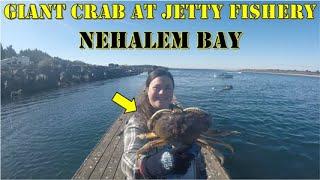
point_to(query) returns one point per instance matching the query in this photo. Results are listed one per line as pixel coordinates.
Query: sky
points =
(265, 44)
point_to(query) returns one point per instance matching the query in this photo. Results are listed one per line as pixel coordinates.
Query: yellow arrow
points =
(129, 106)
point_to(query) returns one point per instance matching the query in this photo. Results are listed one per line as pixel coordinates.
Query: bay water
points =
(49, 134)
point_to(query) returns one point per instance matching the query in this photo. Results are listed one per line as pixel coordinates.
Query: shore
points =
(305, 73)
(266, 71)
(289, 74)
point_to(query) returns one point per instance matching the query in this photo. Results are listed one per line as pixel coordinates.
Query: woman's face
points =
(160, 92)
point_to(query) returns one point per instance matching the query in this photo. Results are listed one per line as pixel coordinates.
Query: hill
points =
(31, 71)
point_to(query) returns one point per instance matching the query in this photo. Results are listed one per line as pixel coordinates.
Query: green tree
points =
(7, 52)
(2, 52)
(10, 52)
(35, 55)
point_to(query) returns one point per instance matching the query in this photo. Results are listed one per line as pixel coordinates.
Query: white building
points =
(22, 60)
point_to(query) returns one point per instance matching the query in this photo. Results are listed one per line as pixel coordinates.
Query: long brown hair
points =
(144, 108)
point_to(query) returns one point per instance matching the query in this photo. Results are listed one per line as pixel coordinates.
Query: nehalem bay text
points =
(158, 40)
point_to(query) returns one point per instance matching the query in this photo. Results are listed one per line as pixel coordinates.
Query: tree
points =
(2, 52)
(9, 52)
(35, 55)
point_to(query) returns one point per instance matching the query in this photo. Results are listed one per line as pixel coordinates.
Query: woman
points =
(163, 163)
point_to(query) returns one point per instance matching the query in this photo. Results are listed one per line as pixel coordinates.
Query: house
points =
(22, 60)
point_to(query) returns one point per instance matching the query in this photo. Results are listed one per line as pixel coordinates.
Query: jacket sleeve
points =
(131, 145)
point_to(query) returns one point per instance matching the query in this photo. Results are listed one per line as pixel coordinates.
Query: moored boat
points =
(223, 75)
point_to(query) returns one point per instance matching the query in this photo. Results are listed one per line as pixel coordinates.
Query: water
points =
(48, 135)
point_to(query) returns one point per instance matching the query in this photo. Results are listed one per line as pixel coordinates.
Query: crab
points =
(180, 128)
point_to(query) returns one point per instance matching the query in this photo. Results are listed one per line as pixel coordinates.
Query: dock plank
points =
(102, 165)
(114, 162)
(119, 174)
(90, 162)
(213, 167)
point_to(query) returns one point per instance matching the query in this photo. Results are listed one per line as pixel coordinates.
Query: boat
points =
(223, 76)
(227, 87)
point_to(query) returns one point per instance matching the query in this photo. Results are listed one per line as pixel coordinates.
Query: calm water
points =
(48, 135)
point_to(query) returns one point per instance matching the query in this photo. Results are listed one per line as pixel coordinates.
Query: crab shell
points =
(183, 126)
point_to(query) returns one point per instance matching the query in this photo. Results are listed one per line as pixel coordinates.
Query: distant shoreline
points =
(265, 71)
(289, 74)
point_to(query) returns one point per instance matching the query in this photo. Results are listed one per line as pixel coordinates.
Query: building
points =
(22, 60)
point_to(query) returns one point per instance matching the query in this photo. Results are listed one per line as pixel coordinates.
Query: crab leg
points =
(150, 145)
(214, 133)
(150, 135)
(204, 143)
(207, 137)
(213, 141)
(219, 156)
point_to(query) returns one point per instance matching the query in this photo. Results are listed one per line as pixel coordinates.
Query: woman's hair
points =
(144, 108)
(157, 73)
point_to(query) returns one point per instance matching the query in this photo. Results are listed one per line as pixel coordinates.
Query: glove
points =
(184, 156)
(168, 161)
(194, 149)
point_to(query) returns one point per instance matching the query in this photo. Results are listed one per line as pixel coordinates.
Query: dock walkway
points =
(104, 160)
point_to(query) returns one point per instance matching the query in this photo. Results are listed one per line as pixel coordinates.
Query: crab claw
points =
(156, 116)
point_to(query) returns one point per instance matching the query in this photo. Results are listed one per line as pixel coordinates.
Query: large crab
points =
(180, 128)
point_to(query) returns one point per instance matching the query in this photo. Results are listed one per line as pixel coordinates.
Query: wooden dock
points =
(104, 160)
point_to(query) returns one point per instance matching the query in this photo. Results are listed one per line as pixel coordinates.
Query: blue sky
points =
(283, 44)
